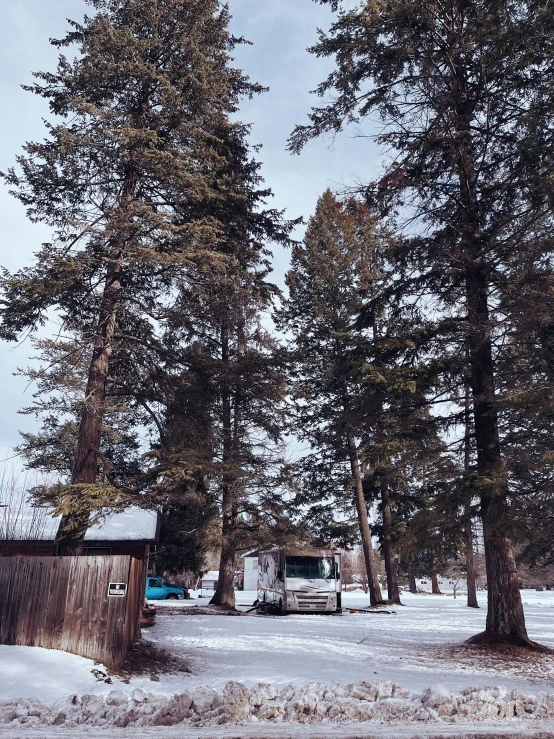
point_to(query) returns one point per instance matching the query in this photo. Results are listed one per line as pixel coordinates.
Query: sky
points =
(280, 32)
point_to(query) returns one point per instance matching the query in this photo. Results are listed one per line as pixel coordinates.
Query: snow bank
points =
(46, 674)
(382, 702)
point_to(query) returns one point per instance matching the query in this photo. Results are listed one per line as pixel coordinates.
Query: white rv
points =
(299, 579)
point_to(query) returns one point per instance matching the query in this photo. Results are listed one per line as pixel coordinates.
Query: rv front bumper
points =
(306, 602)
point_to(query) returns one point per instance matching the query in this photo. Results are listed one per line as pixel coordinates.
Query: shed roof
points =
(31, 524)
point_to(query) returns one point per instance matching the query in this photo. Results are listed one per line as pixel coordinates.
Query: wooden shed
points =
(88, 605)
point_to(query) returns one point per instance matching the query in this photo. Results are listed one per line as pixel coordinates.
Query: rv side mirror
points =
(279, 574)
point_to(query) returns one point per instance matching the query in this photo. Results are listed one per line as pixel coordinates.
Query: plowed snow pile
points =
(382, 702)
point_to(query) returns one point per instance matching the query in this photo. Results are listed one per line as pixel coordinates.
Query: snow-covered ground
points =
(411, 647)
(403, 669)
(45, 674)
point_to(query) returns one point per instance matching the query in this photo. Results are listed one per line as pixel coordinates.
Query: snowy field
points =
(405, 674)
(411, 647)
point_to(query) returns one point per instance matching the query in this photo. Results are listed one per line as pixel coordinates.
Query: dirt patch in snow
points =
(504, 659)
(197, 611)
(499, 642)
(146, 658)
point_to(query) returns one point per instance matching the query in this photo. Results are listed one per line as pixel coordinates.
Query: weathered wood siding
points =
(63, 603)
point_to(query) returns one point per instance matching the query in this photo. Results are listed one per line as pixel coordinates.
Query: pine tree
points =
(222, 380)
(469, 115)
(356, 377)
(223, 417)
(131, 178)
(329, 280)
(249, 383)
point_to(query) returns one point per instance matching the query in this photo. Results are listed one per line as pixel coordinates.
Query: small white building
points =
(208, 583)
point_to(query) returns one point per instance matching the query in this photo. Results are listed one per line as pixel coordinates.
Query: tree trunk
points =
(373, 583)
(225, 591)
(411, 579)
(470, 565)
(393, 590)
(73, 525)
(505, 615)
(505, 610)
(468, 531)
(434, 579)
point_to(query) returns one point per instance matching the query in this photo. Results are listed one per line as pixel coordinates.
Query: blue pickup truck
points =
(157, 589)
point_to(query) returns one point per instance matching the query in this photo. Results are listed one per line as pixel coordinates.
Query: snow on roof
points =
(211, 575)
(134, 524)
(34, 524)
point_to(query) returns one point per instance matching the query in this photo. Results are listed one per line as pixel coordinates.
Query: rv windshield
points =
(310, 568)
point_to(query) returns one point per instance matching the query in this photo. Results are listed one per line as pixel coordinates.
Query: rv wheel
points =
(282, 611)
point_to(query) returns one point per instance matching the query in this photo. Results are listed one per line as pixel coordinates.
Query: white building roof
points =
(211, 575)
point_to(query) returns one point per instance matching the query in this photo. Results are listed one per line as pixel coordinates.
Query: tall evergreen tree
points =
(357, 382)
(330, 277)
(224, 372)
(245, 367)
(464, 92)
(131, 178)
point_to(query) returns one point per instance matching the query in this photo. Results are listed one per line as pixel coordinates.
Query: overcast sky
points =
(280, 30)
